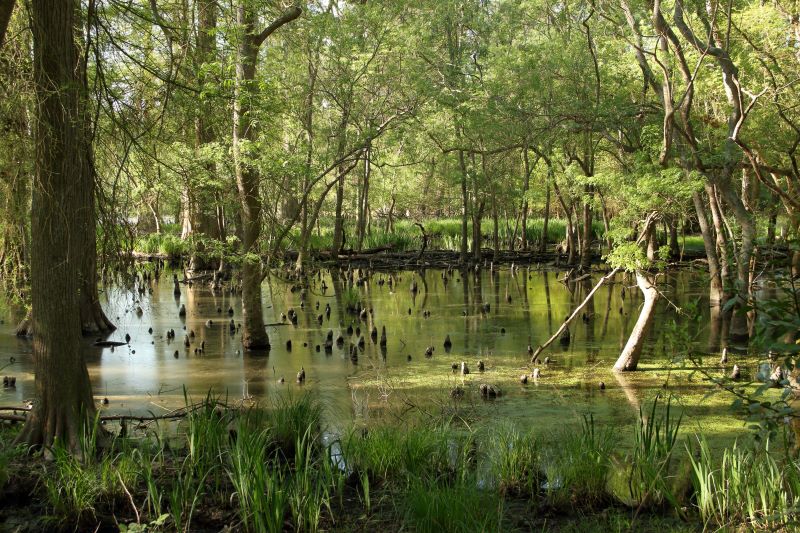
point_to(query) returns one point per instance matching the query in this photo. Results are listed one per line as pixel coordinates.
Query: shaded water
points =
(147, 375)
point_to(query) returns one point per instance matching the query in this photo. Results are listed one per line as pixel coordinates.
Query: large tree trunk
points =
(629, 358)
(63, 392)
(525, 186)
(254, 334)
(6, 10)
(464, 207)
(338, 224)
(93, 319)
(586, 240)
(716, 292)
(739, 326)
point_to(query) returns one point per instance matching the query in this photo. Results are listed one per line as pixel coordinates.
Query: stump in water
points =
(383, 337)
(301, 376)
(447, 343)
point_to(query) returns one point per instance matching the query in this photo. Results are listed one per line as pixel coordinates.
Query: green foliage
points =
(399, 455)
(162, 243)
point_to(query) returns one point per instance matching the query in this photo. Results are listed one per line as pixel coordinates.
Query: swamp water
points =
(147, 376)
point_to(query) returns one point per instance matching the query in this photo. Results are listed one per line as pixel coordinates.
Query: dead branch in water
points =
(577, 310)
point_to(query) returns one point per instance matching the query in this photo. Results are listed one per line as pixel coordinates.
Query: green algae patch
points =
(562, 393)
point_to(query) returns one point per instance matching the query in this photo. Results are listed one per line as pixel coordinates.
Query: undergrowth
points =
(269, 469)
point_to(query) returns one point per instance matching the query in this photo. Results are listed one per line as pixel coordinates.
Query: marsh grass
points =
(269, 469)
(655, 438)
(443, 233)
(398, 456)
(579, 468)
(162, 243)
(749, 485)
(462, 507)
(514, 457)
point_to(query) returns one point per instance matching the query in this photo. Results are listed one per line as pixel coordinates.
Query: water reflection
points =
(488, 313)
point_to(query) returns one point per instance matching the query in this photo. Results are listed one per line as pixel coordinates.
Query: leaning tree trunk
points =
(629, 358)
(63, 392)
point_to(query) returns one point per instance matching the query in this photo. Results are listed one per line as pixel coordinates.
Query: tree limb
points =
(286, 17)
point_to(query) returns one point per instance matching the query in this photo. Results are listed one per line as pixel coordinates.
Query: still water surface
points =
(525, 306)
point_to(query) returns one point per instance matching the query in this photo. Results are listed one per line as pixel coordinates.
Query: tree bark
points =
(716, 290)
(525, 186)
(254, 334)
(64, 402)
(464, 206)
(6, 10)
(629, 358)
(586, 240)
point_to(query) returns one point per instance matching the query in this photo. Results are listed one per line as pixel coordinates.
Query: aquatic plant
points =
(514, 457)
(579, 468)
(655, 437)
(462, 507)
(396, 455)
(750, 485)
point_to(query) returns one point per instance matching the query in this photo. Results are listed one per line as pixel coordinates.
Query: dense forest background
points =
(356, 119)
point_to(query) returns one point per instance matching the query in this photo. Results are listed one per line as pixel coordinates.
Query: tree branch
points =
(286, 17)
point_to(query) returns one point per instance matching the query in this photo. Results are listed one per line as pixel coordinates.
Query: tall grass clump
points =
(206, 437)
(655, 437)
(579, 469)
(461, 507)
(74, 488)
(259, 491)
(291, 418)
(315, 480)
(399, 456)
(750, 486)
(8, 452)
(162, 243)
(514, 459)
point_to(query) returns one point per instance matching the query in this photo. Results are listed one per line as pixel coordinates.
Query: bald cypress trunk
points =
(63, 391)
(254, 334)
